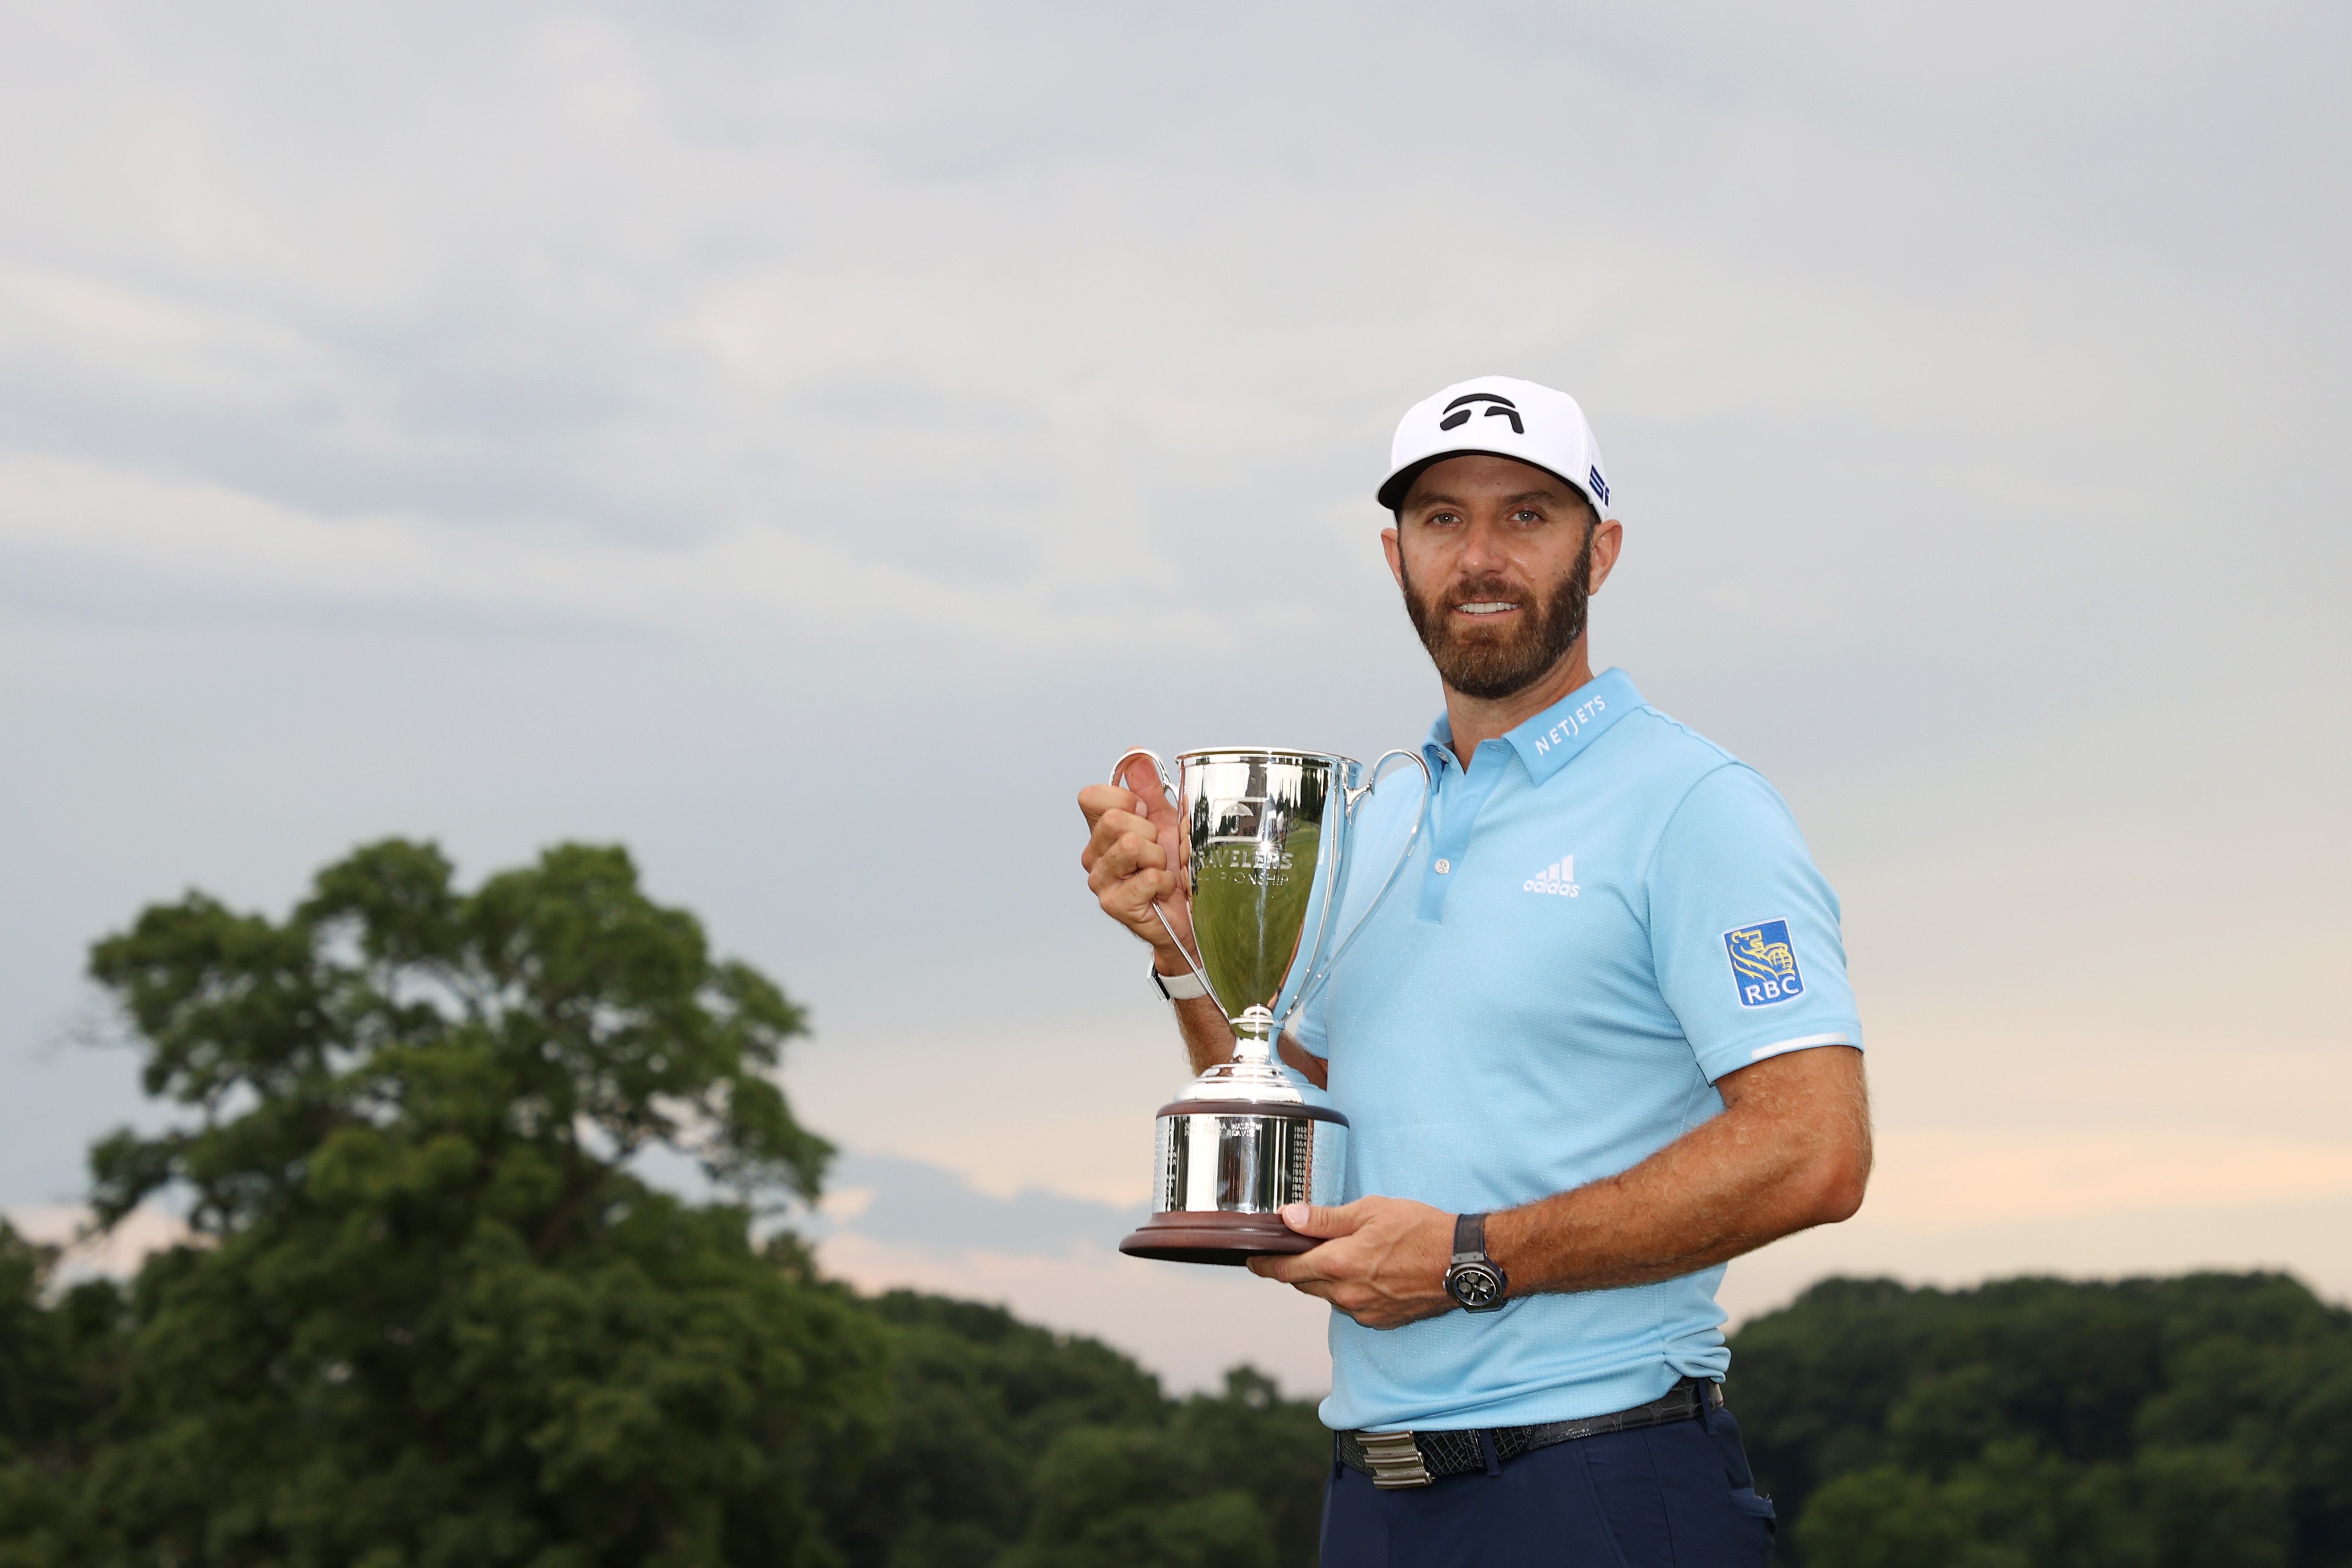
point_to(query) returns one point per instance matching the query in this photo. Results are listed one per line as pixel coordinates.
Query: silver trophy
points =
(1264, 853)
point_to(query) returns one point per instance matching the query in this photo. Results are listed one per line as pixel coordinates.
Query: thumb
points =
(1151, 799)
(1309, 1219)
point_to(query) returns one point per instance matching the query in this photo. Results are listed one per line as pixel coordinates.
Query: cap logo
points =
(1600, 486)
(1457, 415)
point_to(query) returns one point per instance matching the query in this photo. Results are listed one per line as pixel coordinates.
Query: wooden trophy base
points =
(1214, 1235)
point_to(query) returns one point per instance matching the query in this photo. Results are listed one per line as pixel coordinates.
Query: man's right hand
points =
(1133, 858)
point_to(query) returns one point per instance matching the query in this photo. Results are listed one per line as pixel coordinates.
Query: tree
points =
(1011, 1445)
(977, 1396)
(2198, 1422)
(432, 1315)
(1228, 1481)
(57, 1379)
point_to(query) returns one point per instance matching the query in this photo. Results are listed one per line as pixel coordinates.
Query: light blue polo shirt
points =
(1604, 915)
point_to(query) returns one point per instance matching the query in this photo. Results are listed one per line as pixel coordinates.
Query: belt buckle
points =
(1395, 1460)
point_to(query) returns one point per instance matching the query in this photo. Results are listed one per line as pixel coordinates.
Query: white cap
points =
(1507, 417)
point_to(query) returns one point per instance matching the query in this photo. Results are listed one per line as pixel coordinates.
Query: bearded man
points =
(1596, 1041)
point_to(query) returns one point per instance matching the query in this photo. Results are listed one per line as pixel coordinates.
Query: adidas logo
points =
(1558, 877)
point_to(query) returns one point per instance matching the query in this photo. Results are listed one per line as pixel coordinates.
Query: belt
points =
(1396, 1460)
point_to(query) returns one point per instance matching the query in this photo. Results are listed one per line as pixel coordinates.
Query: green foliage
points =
(1008, 1445)
(2202, 1422)
(433, 1316)
(1276, 1450)
(1229, 1479)
(57, 1376)
(1111, 1496)
(977, 1395)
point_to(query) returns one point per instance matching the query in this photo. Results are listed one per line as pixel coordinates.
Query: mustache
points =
(1485, 590)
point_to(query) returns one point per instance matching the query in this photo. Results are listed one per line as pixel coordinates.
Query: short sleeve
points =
(1743, 929)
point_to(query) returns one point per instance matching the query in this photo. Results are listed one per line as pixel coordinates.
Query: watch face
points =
(1474, 1284)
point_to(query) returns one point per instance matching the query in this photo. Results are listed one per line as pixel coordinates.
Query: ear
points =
(1607, 541)
(1395, 553)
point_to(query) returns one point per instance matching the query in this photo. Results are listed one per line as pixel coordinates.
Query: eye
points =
(1526, 514)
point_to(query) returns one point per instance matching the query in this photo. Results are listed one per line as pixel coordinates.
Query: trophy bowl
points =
(1264, 853)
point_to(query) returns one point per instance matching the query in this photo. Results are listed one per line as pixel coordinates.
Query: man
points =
(1597, 1040)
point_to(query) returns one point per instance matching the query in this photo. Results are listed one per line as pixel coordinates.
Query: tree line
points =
(431, 1316)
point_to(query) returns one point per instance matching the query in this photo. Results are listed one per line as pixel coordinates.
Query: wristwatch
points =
(1473, 1278)
(1178, 987)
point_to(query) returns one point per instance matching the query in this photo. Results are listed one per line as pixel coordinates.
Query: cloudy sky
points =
(807, 446)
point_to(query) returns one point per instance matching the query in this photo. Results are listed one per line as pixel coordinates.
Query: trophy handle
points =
(1159, 772)
(1372, 781)
(1321, 974)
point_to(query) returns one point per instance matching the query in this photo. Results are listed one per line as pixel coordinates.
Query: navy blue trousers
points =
(1678, 1496)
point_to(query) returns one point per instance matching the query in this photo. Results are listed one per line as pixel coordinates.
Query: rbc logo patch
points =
(1764, 963)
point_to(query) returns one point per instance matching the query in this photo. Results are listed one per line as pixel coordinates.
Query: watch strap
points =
(1178, 987)
(1474, 1279)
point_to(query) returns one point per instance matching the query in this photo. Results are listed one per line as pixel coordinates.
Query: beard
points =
(1489, 666)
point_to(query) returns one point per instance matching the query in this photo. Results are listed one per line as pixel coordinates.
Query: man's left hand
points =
(1382, 1260)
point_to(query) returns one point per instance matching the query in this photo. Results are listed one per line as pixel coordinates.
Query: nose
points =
(1482, 548)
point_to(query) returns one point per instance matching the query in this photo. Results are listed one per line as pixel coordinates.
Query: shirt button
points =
(1443, 866)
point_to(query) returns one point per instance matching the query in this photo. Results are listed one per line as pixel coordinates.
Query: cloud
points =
(230, 551)
(84, 1251)
(909, 1204)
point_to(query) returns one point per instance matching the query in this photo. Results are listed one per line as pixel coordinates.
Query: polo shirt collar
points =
(1548, 742)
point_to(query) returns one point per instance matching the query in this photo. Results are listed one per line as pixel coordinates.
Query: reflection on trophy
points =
(1264, 854)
